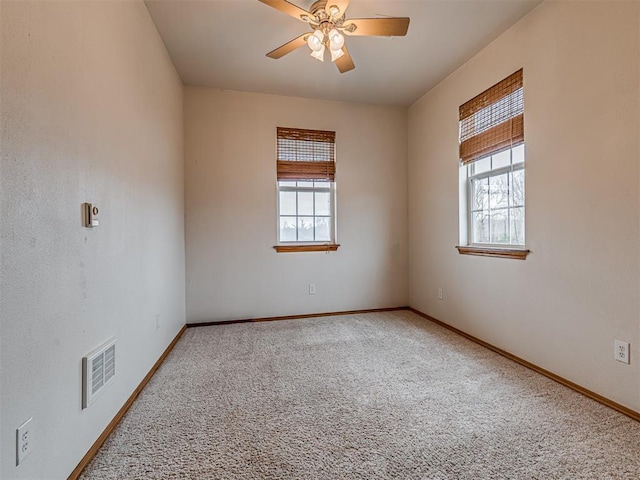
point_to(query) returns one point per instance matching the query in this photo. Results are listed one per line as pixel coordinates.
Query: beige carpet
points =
(386, 395)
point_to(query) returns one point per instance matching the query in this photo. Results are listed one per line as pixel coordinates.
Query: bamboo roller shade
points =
(306, 154)
(492, 121)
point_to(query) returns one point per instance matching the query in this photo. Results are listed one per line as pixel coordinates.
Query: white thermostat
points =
(90, 215)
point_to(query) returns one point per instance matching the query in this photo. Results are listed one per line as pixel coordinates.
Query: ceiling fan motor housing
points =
(322, 19)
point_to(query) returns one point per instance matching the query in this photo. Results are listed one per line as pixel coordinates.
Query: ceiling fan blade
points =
(345, 63)
(384, 27)
(289, 46)
(341, 5)
(289, 9)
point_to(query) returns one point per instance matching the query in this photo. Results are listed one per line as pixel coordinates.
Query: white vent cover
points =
(98, 371)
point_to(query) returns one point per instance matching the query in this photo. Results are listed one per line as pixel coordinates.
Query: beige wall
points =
(563, 307)
(91, 112)
(232, 270)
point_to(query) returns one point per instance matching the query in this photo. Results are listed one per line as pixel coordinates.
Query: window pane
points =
(305, 203)
(499, 227)
(498, 191)
(480, 226)
(323, 230)
(517, 226)
(480, 194)
(305, 229)
(287, 184)
(323, 203)
(305, 184)
(287, 229)
(482, 165)
(287, 203)
(517, 188)
(518, 154)
(502, 159)
(321, 184)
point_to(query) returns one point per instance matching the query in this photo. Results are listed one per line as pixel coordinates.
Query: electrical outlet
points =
(312, 289)
(440, 294)
(621, 351)
(157, 321)
(24, 441)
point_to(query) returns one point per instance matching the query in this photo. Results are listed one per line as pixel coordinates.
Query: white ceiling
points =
(223, 43)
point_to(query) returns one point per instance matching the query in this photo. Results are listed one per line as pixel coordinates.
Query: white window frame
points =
(332, 210)
(470, 177)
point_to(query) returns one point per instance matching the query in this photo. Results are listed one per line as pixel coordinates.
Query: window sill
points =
(515, 253)
(327, 247)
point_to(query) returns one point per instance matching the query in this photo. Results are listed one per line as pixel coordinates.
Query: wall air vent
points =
(98, 371)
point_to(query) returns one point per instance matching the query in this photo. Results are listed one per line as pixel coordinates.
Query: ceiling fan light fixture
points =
(316, 41)
(329, 25)
(336, 40)
(318, 54)
(336, 54)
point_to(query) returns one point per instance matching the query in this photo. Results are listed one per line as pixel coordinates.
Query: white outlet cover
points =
(24, 441)
(621, 351)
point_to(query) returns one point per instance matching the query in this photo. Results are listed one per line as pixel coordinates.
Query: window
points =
(496, 198)
(492, 160)
(306, 190)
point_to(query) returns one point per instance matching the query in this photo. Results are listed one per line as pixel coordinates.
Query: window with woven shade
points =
(306, 175)
(306, 154)
(492, 157)
(492, 121)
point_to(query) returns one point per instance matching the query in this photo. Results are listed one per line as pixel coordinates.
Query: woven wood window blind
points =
(492, 121)
(306, 154)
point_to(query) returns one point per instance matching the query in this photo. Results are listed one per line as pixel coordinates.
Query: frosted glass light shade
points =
(318, 55)
(316, 41)
(336, 40)
(336, 54)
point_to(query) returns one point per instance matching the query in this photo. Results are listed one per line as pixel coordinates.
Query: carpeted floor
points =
(371, 396)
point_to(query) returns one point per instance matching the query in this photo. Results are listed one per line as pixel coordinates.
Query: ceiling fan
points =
(328, 23)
